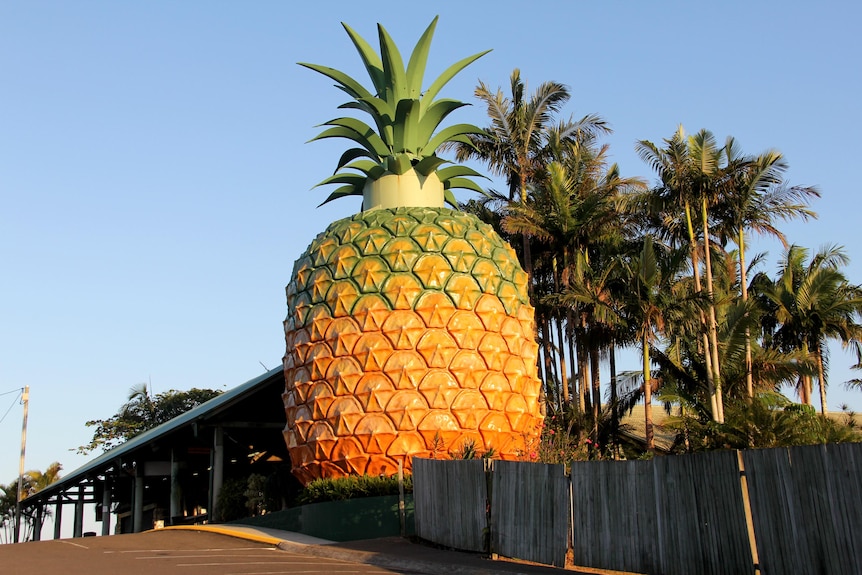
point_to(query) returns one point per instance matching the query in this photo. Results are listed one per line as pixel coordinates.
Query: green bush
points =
(232, 500)
(353, 487)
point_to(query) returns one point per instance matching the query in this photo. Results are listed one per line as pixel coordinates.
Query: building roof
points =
(208, 412)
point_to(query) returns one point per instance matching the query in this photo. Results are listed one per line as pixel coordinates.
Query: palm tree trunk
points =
(596, 393)
(821, 377)
(805, 391)
(749, 378)
(560, 359)
(570, 340)
(583, 369)
(564, 380)
(525, 242)
(695, 265)
(713, 330)
(615, 419)
(546, 348)
(648, 430)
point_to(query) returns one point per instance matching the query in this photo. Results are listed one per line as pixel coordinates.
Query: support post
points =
(176, 492)
(58, 516)
(25, 399)
(749, 518)
(78, 528)
(217, 471)
(106, 506)
(37, 521)
(402, 515)
(138, 504)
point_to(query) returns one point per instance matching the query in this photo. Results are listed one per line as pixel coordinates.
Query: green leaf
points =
(432, 117)
(395, 80)
(456, 171)
(375, 107)
(346, 83)
(463, 183)
(342, 192)
(447, 75)
(454, 133)
(406, 126)
(369, 57)
(449, 198)
(418, 60)
(398, 164)
(352, 154)
(429, 164)
(371, 168)
(362, 134)
(342, 178)
(364, 166)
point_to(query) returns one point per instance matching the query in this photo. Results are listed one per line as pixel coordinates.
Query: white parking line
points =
(200, 550)
(315, 571)
(206, 555)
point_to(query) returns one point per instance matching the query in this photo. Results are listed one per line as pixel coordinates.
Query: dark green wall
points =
(349, 520)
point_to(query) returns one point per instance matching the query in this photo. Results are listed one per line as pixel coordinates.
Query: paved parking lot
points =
(163, 553)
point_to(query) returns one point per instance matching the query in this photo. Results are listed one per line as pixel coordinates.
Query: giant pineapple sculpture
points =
(409, 329)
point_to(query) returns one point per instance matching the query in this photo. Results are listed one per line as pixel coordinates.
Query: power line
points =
(19, 391)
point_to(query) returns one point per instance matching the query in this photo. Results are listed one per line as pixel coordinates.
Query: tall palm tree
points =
(811, 302)
(686, 167)
(756, 196)
(654, 299)
(522, 134)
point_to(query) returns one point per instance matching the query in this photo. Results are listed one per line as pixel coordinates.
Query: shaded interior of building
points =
(173, 474)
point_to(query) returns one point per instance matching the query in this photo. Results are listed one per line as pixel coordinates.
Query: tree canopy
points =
(142, 412)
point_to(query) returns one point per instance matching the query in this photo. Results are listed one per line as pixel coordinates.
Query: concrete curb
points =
(257, 536)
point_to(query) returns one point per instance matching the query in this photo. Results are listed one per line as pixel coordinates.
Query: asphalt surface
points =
(241, 550)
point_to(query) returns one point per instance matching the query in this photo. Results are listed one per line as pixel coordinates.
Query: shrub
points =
(352, 487)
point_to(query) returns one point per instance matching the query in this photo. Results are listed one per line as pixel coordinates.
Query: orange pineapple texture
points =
(409, 332)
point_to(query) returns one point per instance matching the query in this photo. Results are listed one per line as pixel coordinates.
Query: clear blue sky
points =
(156, 183)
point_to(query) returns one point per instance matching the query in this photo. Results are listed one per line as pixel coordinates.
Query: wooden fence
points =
(773, 511)
(530, 523)
(450, 508)
(670, 515)
(807, 508)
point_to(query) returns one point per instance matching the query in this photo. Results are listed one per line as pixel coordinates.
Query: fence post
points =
(402, 516)
(488, 466)
(749, 519)
(570, 539)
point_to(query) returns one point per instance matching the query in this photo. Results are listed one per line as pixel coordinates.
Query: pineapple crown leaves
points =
(405, 119)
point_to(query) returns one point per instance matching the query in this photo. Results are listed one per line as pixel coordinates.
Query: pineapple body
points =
(409, 332)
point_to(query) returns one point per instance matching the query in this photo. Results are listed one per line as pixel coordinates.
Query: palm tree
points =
(687, 168)
(758, 195)
(572, 213)
(522, 135)
(654, 300)
(36, 480)
(811, 302)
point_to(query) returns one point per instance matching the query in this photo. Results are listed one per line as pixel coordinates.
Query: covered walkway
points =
(172, 474)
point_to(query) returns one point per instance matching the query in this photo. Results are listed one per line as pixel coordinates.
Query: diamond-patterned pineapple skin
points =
(409, 331)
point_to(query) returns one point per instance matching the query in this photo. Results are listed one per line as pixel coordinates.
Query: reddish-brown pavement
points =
(164, 553)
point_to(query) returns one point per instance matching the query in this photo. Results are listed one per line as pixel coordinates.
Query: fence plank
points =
(450, 498)
(672, 515)
(530, 511)
(845, 477)
(807, 509)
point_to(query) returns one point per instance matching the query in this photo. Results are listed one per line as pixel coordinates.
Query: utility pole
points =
(25, 399)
